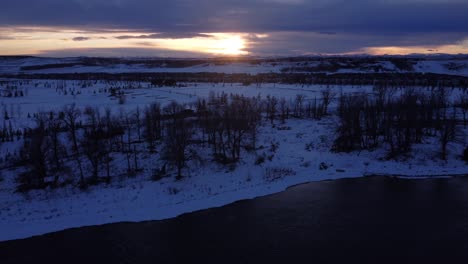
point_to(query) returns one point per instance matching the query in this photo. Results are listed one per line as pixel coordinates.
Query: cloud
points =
(286, 2)
(292, 25)
(145, 43)
(327, 33)
(166, 35)
(80, 39)
(152, 36)
(6, 37)
(121, 52)
(243, 15)
(306, 43)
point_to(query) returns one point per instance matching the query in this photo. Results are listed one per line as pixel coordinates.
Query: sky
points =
(207, 28)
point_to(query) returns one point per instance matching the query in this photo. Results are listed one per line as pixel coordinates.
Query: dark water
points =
(366, 220)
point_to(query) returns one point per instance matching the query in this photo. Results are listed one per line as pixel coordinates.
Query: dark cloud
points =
(166, 35)
(338, 25)
(145, 43)
(179, 35)
(299, 43)
(121, 52)
(5, 37)
(80, 39)
(152, 36)
(243, 15)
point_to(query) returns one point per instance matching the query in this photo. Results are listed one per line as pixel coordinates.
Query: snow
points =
(207, 184)
(422, 64)
(43, 95)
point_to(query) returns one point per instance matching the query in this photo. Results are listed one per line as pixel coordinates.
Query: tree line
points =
(398, 121)
(414, 79)
(88, 144)
(89, 140)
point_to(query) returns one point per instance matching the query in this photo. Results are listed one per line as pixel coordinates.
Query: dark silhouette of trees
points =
(35, 156)
(271, 108)
(227, 125)
(327, 97)
(152, 125)
(448, 131)
(71, 116)
(350, 130)
(58, 152)
(284, 110)
(93, 141)
(462, 104)
(298, 105)
(178, 136)
(228, 122)
(396, 121)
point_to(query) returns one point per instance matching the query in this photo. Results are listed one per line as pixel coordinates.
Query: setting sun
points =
(233, 45)
(216, 43)
(40, 40)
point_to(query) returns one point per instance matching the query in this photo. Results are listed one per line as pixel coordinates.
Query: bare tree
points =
(448, 132)
(178, 136)
(271, 105)
(463, 105)
(138, 123)
(284, 110)
(36, 149)
(152, 124)
(71, 115)
(327, 97)
(58, 150)
(92, 142)
(298, 105)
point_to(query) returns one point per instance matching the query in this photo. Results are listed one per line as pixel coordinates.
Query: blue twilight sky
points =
(183, 28)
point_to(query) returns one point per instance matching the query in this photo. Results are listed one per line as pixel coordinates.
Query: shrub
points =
(274, 146)
(260, 160)
(28, 181)
(274, 174)
(249, 178)
(284, 128)
(173, 190)
(465, 154)
(158, 174)
(122, 99)
(323, 166)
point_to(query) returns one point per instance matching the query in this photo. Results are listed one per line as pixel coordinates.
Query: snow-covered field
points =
(452, 65)
(301, 154)
(44, 95)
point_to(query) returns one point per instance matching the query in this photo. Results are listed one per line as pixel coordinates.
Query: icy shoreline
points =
(207, 185)
(135, 211)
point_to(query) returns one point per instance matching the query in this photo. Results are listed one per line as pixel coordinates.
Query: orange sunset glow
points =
(37, 40)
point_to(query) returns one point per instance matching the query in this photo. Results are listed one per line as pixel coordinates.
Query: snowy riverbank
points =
(302, 156)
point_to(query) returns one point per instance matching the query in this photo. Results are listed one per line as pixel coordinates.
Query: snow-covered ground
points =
(442, 65)
(302, 154)
(44, 96)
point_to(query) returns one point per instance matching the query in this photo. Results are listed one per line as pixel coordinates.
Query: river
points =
(362, 220)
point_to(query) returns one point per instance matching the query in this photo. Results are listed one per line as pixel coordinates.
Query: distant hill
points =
(439, 63)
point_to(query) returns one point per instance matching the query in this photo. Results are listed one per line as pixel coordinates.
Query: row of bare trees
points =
(398, 121)
(92, 145)
(410, 79)
(86, 143)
